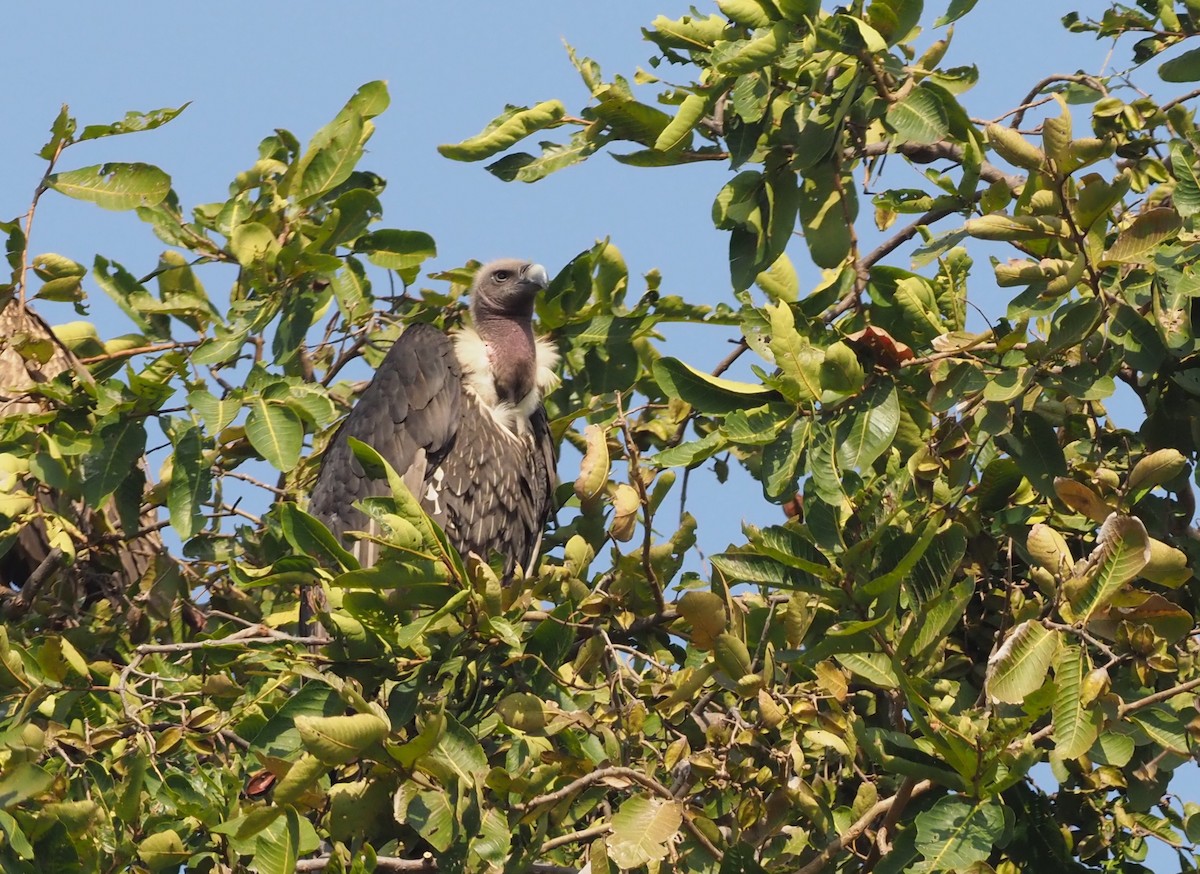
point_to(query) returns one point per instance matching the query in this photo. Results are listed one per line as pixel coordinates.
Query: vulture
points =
(460, 418)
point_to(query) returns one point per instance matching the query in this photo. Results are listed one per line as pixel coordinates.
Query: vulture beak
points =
(535, 275)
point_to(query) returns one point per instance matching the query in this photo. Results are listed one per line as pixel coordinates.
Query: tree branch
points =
(595, 777)
(835, 846)
(394, 865)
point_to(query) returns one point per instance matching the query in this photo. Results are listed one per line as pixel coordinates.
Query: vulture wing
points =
(410, 414)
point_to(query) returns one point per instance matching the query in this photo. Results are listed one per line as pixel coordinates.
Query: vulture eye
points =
(501, 275)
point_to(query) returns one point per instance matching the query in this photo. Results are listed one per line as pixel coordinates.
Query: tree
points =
(977, 573)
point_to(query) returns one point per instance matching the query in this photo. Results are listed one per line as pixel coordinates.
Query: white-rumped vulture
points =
(460, 417)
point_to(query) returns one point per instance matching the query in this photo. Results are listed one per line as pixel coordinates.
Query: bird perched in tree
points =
(460, 418)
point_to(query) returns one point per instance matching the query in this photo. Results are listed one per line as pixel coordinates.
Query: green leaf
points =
(114, 186)
(780, 281)
(753, 13)
(1076, 726)
(781, 460)
(894, 19)
(1182, 68)
(1033, 444)
(115, 451)
(761, 569)
(524, 167)
(133, 122)
(191, 484)
(279, 738)
(253, 244)
(216, 413)
(275, 432)
(867, 429)
(708, 394)
(798, 360)
(956, 10)
(1186, 196)
(61, 131)
(22, 782)
(514, 125)
(429, 812)
(1137, 243)
(336, 740)
(305, 772)
(826, 210)
(163, 850)
(745, 56)
(279, 846)
(692, 452)
(331, 157)
(1022, 664)
(954, 833)
(874, 668)
(642, 828)
(678, 131)
(1165, 729)
(402, 251)
(919, 117)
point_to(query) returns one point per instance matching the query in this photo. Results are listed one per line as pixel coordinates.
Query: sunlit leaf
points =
(1021, 665)
(113, 186)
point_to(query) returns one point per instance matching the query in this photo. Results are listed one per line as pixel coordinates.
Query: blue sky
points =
(253, 66)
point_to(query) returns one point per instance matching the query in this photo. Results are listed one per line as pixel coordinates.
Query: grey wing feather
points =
(410, 414)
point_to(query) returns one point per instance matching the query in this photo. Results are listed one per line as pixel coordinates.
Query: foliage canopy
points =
(980, 572)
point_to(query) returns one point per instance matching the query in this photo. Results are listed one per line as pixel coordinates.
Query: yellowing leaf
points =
(705, 612)
(336, 740)
(641, 830)
(593, 470)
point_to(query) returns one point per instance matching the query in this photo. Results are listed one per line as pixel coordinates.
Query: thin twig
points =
(635, 477)
(141, 350)
(393, 865)
(596, 776)
(1079, 78)
(573, 837)
(253, 635)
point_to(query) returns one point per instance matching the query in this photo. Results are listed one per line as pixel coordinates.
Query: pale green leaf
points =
(163, 850)
(114, 186)
(514, 125)
(1075, 725)
(868, 427)
(1022, 664)
(919, 117)
(336, 740)
(275, 432)
(642, 828)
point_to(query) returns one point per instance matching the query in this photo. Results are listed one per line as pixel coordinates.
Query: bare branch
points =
(864, 822)
(1078, 78)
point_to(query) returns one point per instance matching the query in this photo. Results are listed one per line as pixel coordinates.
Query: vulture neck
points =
(512, 355)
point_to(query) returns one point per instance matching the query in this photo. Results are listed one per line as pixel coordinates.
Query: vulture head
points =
(506, 289)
